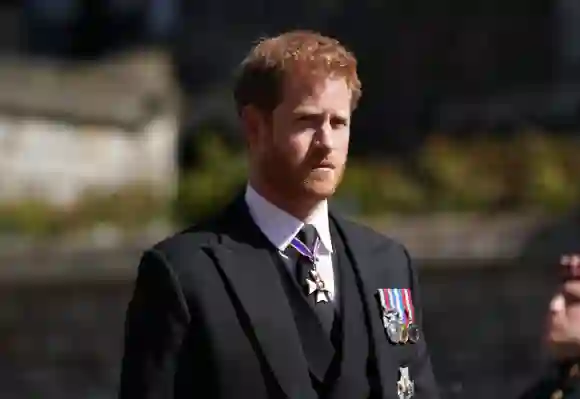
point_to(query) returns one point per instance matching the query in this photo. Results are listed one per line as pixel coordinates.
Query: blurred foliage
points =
(210, 186)
(32, 216)
(128, 208)
(373, 187)
(530, 172)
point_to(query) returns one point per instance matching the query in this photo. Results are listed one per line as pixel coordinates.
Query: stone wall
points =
(61, 336)
(57, 161)
(65, 128)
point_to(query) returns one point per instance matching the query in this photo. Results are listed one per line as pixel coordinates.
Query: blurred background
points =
(117, 128)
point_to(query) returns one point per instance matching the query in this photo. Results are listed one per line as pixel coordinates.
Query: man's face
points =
(301, 149)
(563, 330)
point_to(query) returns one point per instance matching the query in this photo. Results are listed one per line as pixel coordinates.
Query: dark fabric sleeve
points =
(155, 325)
(425, 383)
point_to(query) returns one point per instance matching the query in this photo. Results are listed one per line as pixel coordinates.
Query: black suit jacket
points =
(209, 317)
(561, 381)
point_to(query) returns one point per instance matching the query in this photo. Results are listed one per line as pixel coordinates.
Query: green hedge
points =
(530, 172)
(129, 208)
(208, 188)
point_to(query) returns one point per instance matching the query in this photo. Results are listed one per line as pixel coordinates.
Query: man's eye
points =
(306, 118)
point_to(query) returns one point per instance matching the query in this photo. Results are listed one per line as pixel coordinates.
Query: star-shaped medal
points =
(316, 285)
(405, 385)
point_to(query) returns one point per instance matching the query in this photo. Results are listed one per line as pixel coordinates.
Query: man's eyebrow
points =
(307, 110)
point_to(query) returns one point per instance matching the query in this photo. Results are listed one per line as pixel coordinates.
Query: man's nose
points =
(324, 136)
(557, 304)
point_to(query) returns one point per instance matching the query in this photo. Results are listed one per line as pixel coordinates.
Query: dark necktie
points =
(304, 265)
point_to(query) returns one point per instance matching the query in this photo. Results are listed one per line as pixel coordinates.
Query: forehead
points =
(303, 91)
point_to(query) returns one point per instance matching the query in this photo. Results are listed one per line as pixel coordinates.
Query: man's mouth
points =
(324, 166)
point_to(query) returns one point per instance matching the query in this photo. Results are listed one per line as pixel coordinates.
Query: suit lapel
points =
(247, 265)
(360, 255)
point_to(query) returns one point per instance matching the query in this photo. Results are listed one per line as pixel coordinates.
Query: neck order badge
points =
(398, 315)
(405, 386)
(314, 283)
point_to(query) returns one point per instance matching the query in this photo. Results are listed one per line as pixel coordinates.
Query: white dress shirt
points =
(280, 228)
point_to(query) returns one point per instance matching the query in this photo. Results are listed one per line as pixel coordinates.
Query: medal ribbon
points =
(384, 297)
(408, 302)
(304, 250)
(398, 299)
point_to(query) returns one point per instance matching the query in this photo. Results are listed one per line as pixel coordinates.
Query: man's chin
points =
(319, 190)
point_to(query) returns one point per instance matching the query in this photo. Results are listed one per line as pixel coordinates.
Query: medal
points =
(399, 315)
(413, 332)
(392, 326)
(394, 332)
(316, 285)
(404, 333)
(314, 282)
(405, 386)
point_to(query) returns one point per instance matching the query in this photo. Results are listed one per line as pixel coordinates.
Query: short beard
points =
(276, 177)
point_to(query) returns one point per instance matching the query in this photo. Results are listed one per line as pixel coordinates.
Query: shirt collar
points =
(280, 227)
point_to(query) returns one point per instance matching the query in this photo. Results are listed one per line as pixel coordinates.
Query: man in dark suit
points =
(562, 380)
(275, 297)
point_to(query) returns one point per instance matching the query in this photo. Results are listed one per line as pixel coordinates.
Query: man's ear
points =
(252, 123)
